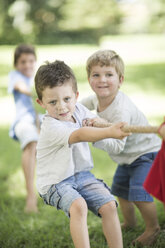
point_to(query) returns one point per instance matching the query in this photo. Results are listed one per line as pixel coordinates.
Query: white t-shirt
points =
(56, 159)
(129, 149)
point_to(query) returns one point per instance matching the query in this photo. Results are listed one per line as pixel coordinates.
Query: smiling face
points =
(26, 64)
(59, 101)
(105, 81)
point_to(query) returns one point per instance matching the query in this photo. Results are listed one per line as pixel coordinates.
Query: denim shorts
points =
(83, 184)
(128, 179)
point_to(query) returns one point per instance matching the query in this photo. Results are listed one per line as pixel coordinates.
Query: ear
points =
(121, 80)
(77, 95)
(40, 103)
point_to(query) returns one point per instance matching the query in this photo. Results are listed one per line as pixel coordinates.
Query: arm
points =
(22, 88)
(92, 134)
(161, 130)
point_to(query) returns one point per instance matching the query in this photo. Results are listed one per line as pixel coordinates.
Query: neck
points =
(103, 103)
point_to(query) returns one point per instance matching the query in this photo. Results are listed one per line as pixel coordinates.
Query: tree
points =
(57, 21)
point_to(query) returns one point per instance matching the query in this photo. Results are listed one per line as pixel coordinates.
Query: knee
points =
(79, 208)
(108, 208)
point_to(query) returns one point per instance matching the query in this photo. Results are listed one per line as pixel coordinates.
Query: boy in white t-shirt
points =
(64, 160)
(134, 154)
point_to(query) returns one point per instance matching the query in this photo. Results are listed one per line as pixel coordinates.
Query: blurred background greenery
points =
(77, 21)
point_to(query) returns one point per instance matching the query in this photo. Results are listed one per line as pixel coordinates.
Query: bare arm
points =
(92, 134)
(161, 130)
(22, 88)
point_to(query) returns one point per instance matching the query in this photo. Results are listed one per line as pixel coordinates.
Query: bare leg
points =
(128, 211)
(28, 164)
(148, 212)
(111, 225)
(78, 223)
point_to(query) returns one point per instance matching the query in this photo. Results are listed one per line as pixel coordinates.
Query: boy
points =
(24, 127)
(64, 160)
(135, 154)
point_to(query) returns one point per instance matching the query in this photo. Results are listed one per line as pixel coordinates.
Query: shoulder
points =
(123, 102)
(16, 75)
(83, 112)
(90, 102)
(54, 131)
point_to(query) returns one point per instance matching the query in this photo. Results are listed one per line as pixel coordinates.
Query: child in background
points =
(64, 160)
(134, 154)
(24, 127)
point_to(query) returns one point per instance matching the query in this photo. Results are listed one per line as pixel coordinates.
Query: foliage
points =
(59, 21)
(157, 20)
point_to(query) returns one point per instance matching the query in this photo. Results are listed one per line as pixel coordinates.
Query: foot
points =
(147, 238)
(31, 205)
(127, 227)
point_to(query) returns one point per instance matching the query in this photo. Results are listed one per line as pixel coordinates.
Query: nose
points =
(60, 106)
(103, 79)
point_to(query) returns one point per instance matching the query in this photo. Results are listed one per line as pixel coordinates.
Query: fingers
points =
(87, 122)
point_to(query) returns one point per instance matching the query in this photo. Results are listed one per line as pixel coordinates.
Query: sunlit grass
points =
(137, 49)
(49, 228)
(144, 83)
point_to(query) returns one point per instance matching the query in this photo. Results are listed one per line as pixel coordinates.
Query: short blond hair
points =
(105, 58)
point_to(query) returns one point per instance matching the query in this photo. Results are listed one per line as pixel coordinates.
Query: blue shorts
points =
(83, 184)
(128, 179)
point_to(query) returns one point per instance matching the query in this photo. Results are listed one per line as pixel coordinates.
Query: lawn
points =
(144, 83)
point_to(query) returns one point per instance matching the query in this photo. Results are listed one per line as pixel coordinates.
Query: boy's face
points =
(105, 81)
(59, 101)
(26, 64)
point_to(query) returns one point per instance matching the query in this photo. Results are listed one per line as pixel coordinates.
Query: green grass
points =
(144, 83)
(49, 228)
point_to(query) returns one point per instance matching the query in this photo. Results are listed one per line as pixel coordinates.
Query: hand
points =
(116, 130)
(161, 130)
(90, 122)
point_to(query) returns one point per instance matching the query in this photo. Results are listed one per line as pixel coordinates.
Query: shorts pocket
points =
(52, 197)
(105, 185)
(145, 158)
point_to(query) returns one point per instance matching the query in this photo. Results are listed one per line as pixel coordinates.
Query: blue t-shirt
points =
(24, 106)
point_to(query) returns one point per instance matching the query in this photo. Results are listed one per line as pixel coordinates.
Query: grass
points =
(144, 83)
(49, 228)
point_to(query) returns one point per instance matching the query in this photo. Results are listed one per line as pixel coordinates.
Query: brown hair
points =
(105, 58)
(23, 48)
(53, 74)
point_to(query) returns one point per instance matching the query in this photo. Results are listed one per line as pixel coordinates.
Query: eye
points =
(95, 75)
(53, 102)
(67, 99)
(109, 74)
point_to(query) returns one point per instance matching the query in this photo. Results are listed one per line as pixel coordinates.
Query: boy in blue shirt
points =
(24, 127)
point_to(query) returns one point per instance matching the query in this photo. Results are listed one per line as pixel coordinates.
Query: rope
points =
(131, 129)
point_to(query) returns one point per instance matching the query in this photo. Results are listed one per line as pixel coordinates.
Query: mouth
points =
(103, 87)
(63, 114)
